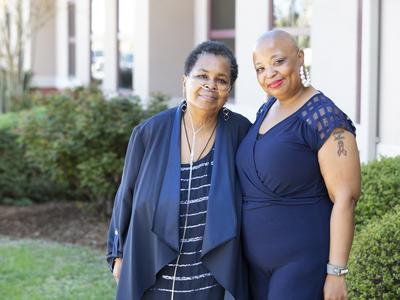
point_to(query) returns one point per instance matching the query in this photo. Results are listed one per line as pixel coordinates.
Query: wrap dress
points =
(286, 207)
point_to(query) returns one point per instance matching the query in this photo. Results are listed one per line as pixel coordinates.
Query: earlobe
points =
(300, 56)
(184, 80)
(184, 87)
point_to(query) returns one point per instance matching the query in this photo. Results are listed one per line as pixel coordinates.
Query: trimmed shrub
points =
(20, 181)
(12, 168)
(380, 190)
(80, 139)
(375, 260)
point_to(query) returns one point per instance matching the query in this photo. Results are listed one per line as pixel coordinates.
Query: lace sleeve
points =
(322, 117)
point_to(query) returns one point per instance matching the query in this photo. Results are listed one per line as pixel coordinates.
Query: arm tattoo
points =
(340, 137)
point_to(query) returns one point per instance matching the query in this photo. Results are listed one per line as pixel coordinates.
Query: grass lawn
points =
(39, 270)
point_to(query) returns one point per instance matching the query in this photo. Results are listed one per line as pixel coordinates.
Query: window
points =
(71, 40)
(125, 44)
(294, 16)
(222, 21)
(97, 33)
(222, 24)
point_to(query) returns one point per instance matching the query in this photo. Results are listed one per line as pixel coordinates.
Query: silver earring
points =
(225, 113)
(305, 77)
(184, 105)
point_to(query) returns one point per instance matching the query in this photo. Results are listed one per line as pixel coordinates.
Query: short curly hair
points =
(212, 47)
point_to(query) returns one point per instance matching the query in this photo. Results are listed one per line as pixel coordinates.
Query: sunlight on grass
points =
(39, 270)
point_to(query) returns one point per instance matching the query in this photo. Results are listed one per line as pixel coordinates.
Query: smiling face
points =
(277, 62)
(207, 86)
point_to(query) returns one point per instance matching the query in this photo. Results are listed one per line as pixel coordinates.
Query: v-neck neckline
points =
(269, 105)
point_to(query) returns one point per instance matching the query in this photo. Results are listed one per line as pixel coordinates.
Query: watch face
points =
(336, 270)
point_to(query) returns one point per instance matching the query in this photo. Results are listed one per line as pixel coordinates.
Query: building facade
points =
(139, 47)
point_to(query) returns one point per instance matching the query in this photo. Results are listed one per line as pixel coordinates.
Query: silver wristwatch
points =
(336, 270)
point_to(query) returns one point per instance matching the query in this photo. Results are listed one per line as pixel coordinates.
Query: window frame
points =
(221, 34)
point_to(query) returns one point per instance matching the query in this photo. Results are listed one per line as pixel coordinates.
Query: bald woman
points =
(300, 174)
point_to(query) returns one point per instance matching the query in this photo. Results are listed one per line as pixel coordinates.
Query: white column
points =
(141, 55)
(42, 52)
(110, 81)
(251, 21)
(83, 41)
(61, 15)
(200, 21)
(366, 130)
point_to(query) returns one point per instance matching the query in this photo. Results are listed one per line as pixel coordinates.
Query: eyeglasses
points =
(221, 84)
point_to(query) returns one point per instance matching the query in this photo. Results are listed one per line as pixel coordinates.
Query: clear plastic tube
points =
(188, 198)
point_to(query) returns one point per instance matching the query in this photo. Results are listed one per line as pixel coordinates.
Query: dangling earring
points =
(184, 105)
(184, 101)
(225, 113)
(305, 77)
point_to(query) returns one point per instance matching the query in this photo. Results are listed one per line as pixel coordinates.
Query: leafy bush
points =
(20, 181)
(375, 260)
(380, 190)
(80, 139)
(9, 120)
(12, 167)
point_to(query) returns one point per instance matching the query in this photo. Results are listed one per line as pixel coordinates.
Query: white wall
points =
(389, 90)
(251, 22)
(171, 40)
(164, 36)
(333, 42)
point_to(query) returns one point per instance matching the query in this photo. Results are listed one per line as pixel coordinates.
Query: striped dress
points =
(186, 276)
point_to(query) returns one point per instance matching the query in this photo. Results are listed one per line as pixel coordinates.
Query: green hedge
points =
(77, 139)
(12, 168)
(375, 260)
(380, 190)
(20, 181)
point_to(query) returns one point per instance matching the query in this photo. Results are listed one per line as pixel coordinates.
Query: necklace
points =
(189, 189)
(187, 138)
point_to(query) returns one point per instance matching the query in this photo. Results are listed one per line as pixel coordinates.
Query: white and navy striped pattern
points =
(192, 279)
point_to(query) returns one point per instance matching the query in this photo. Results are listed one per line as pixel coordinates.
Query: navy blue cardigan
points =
(144, 227)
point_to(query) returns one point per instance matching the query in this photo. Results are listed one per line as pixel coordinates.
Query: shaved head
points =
(277, 61)
(279, 38)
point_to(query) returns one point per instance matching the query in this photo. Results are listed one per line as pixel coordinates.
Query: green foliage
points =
(157, 103)
(380, 190)
(375, 260)
(9, 120)
(38, 270)
(80, 139)
(21, 182)
(12, 167)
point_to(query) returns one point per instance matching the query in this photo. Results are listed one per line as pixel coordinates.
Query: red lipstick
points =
(275, 84)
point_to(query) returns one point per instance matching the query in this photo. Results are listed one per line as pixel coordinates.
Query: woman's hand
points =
(335, 288)
(117, 268)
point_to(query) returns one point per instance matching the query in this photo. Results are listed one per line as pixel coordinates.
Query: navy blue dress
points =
(286, 207)
(186, 277)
